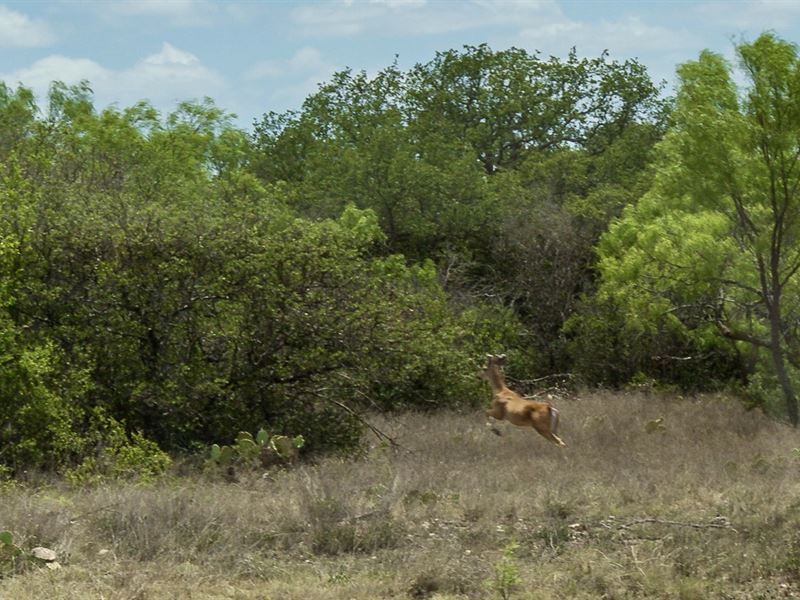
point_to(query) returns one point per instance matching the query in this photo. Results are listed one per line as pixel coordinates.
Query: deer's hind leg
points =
(546, 425)
(554, 427)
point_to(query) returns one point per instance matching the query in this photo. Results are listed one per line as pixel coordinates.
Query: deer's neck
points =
(496, 380)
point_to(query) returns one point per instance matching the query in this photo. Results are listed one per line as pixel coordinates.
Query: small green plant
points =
(339, 578)
(9, 553)
(7, 481)
(248, 450)
(655, 425)
(505, 580)
(791, 561)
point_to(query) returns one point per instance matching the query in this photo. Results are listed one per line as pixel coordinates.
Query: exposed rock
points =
(43, 554)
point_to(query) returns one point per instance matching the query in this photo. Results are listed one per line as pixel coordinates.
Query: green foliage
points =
(510, 105)
(711, 250)
(416, 147)
(10, 553)
(37, 387)
(115, 454)
(188, 309)
(423, 200)
(39, 421)
(506, 578)
(612, 344)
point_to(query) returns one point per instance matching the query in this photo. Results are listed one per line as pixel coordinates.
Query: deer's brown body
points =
(510, 406)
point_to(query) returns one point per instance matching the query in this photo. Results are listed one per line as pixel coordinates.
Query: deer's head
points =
(493, 364)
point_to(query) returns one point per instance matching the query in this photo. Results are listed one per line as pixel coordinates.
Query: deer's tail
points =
(554, 427)
(553, 420)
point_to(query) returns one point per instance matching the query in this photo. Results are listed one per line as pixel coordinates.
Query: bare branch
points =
(715, 523)
(741, 336)
(543, 378)
(683, 358)
(377, 432)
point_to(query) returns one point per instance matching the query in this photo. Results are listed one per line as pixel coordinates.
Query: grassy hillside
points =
(706, 506)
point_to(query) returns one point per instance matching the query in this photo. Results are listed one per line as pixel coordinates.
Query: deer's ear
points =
(501, 359)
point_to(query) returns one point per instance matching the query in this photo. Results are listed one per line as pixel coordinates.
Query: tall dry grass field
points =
(703, 503)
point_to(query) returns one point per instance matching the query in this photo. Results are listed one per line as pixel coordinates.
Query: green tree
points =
(352, 144)
(153, 290)
(17, 117)
(414, 146)
(500, 166)
(38, 387)
(508, 105)
(715, 245)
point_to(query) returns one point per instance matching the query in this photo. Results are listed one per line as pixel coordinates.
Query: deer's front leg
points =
(496, 412)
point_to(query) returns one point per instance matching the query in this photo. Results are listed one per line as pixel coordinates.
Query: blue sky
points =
(255, 56)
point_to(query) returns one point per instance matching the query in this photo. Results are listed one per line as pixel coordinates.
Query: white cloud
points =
(156, 7)
(19, 31)
(164, 78)
(536, 25)
(399, 3)
(658, 44)
(299, 76)
(625, 36)
(184, 13)
(414, 17)
(328, 20)
(170, 55)
(304, 61)
(44, 71)
(751, 16)
(169, 75)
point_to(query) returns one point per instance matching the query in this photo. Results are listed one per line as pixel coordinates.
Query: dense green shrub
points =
(114, 454)
(181, 313)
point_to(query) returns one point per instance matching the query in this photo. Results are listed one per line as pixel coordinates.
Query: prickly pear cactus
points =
(216, 452)
(262, 437)
(287, 448)
(226, 455)
(244, 435)
(246, 445)
(221, 455)
(9, 552)
(247, 449)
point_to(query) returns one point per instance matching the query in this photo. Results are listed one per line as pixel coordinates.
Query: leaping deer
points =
(519, 411)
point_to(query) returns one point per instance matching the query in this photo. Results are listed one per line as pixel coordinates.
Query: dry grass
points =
(621, 513)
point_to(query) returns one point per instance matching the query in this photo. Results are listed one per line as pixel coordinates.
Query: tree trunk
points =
(779, 361)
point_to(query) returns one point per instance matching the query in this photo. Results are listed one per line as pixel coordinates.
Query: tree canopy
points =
(713, 246)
